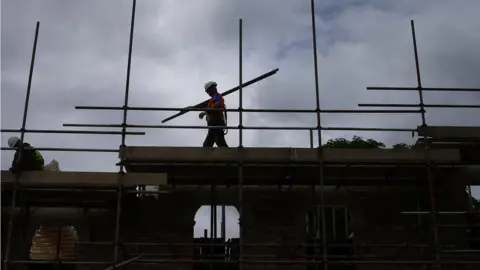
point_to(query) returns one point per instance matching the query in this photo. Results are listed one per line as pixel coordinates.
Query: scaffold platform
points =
(289, 166)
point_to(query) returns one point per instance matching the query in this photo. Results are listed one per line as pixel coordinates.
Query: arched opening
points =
(218, 226)
(54, 242)
(226, 217)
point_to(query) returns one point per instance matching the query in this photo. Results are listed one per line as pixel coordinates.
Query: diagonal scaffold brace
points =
(124, 262)
(204, 103)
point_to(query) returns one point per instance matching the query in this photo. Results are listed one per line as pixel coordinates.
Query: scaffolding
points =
(323, 260)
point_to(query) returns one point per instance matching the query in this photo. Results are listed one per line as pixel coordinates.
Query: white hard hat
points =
(210, 84)
(12, 141)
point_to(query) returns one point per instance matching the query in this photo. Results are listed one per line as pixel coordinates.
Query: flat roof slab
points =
(288, 166)
(207, 174)
(286, 155)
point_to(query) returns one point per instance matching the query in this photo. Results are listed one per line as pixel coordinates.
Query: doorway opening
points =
(338, 232)
(216, 235)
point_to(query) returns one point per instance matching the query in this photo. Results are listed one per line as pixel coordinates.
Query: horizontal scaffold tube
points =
(272, 262)
(245, 127)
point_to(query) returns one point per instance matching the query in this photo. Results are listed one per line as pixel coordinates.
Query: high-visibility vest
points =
(39, 158)
(212, 113)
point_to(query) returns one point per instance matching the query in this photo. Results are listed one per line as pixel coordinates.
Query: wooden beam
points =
(273, 155)
(84, 179)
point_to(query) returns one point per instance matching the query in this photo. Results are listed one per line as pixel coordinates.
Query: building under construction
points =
(300, 208)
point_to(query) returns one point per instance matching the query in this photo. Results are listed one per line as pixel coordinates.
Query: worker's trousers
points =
(215, 135)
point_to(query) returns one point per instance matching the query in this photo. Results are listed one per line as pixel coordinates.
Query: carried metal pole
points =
(20, 149)
(240, 143)
(319, 131)
(204, 103)
(121, 171)
(436, 244)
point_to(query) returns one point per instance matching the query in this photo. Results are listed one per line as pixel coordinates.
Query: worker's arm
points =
(14, 166)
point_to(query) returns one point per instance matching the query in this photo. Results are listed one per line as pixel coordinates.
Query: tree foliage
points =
(359, 142)
(355, 142)
(402, 146)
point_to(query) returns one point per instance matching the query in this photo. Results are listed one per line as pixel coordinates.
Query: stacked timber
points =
(52, 166)
(54, 242)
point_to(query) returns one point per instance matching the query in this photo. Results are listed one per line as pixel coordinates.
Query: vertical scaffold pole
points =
(311, 138)
(20, 154)
(211, 248)
(470, 201)
(240, 142)
(313, 216)
(427, 152)
(319, 131)
(223, 225)
(121, 171)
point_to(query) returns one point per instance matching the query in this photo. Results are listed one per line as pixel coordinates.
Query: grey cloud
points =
(350, 66)
(82, 58)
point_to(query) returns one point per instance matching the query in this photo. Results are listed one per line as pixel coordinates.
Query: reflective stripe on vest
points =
(39, 157)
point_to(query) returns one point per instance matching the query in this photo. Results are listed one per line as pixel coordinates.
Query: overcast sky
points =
(180, 44)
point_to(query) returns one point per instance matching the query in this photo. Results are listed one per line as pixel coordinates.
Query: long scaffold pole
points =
(69, 149)
(436, 243)
(249, 127)
(261, 244)
(124, 262)
(197, 107)
(240, 142)
(135, 108)
(396, 105)
(121, 172)
(262, 262)
(20, 153)
(202, 104)
(311, 138)
(473, 212)
(433, 89)
(93, 132)
(319, 135)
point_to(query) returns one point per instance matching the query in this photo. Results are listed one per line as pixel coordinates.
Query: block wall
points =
(269, 215)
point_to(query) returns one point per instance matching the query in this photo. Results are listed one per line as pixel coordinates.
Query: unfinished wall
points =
(269, 215)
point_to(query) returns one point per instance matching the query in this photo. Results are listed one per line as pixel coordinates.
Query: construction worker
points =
(214, 118)
(31, 159)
